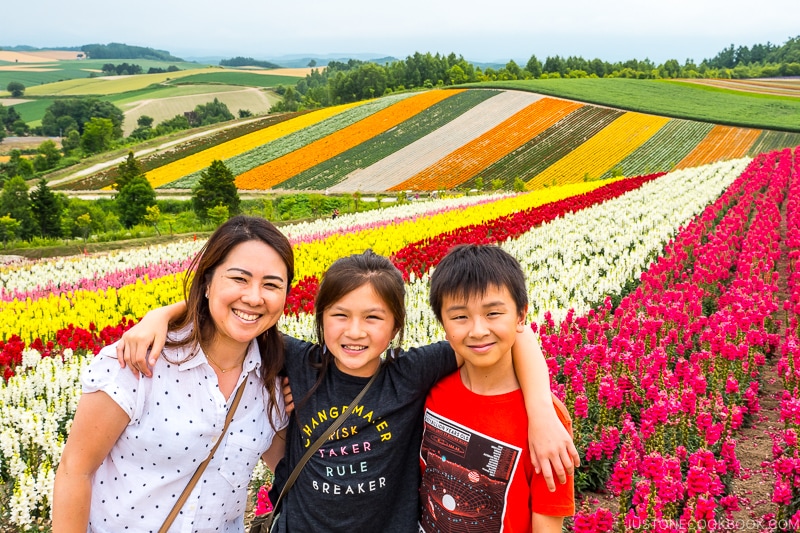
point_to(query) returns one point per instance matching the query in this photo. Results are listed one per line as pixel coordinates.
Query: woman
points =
(134, 444)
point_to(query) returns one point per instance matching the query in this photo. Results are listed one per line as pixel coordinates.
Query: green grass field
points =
(248, 79)
(69, 70)
(672, 99)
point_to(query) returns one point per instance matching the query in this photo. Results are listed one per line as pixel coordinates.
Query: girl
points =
(367, 478)
(134, 445)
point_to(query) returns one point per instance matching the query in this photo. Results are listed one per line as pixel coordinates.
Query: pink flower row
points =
(786, 450)
(676, 365)
(115, 279)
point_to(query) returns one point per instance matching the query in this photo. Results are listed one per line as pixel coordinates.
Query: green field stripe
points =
(548, 147)
(773, 140)
(671, 98)
(664, 149)
(334, 170)
(248, 79)
(265, 153)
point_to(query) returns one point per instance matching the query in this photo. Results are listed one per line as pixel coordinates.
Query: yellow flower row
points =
(601, 152)
(187, 165)
(312, 259)
(43, 317)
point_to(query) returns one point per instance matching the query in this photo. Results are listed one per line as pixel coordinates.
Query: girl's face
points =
(246, 295)
(357, 329)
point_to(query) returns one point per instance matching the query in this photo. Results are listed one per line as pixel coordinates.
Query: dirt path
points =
(113, 162)
(754, 447)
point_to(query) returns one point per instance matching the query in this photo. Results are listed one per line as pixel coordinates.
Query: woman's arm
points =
(99, 421)
(276, 450)
(151, 331)
(552, 448)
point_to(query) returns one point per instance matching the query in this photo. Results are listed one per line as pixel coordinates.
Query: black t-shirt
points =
(367, 478)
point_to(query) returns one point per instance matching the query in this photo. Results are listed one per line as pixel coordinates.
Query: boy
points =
(477, 473)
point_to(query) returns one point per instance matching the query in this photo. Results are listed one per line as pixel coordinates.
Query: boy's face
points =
(482, 329)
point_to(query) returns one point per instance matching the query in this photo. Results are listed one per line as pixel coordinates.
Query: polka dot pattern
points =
(175, 419)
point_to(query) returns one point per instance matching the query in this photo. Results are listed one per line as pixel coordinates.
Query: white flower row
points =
(577, 259)
(36, 410)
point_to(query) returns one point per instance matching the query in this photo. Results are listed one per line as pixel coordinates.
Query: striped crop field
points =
(669, 145)
(283, 168)
(182, 167)
(466, 161)
(466, 138)
(601, 152)
(417, 156)
(292, 137)
(329, 173)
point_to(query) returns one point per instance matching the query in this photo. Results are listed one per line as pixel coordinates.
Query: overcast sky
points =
(486, 31)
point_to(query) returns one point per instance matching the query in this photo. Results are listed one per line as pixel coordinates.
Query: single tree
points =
(71, 142)
(84, 225)
(218, 214)
(134, 199)
(16, 88)
(15, 202)
(97, 136)
(46, 207)
(127, 170)
(50, 152)
(153, 216)
(8, 229)
(144, 121)
(216, 186)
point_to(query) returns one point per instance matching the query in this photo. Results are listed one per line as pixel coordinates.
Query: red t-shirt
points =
(477, 473)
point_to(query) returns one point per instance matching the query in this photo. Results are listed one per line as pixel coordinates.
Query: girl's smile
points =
(357, 330)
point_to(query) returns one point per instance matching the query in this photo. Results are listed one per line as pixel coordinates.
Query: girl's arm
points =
(99, 421)
(552, 448)
(151, 331)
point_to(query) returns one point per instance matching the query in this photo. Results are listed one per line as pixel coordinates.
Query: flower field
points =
(281, 169)
(655, 298)
(448, 139)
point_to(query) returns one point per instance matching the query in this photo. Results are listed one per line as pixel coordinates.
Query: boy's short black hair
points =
(469, 270)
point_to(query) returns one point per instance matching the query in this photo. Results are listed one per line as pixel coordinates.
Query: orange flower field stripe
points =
(283, 168)
(601, 152)
(193, 163)
(722, 142)
(467, 161)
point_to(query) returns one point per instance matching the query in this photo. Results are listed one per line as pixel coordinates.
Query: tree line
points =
(44, 214)
(341, 82)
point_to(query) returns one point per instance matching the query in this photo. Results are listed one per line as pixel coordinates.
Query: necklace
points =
(224, 370)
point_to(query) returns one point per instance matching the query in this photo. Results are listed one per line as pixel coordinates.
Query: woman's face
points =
(357, 329)
(246, 295)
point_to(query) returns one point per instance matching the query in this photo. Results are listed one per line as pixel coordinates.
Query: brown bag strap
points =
(322, 438)
(199, 472)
